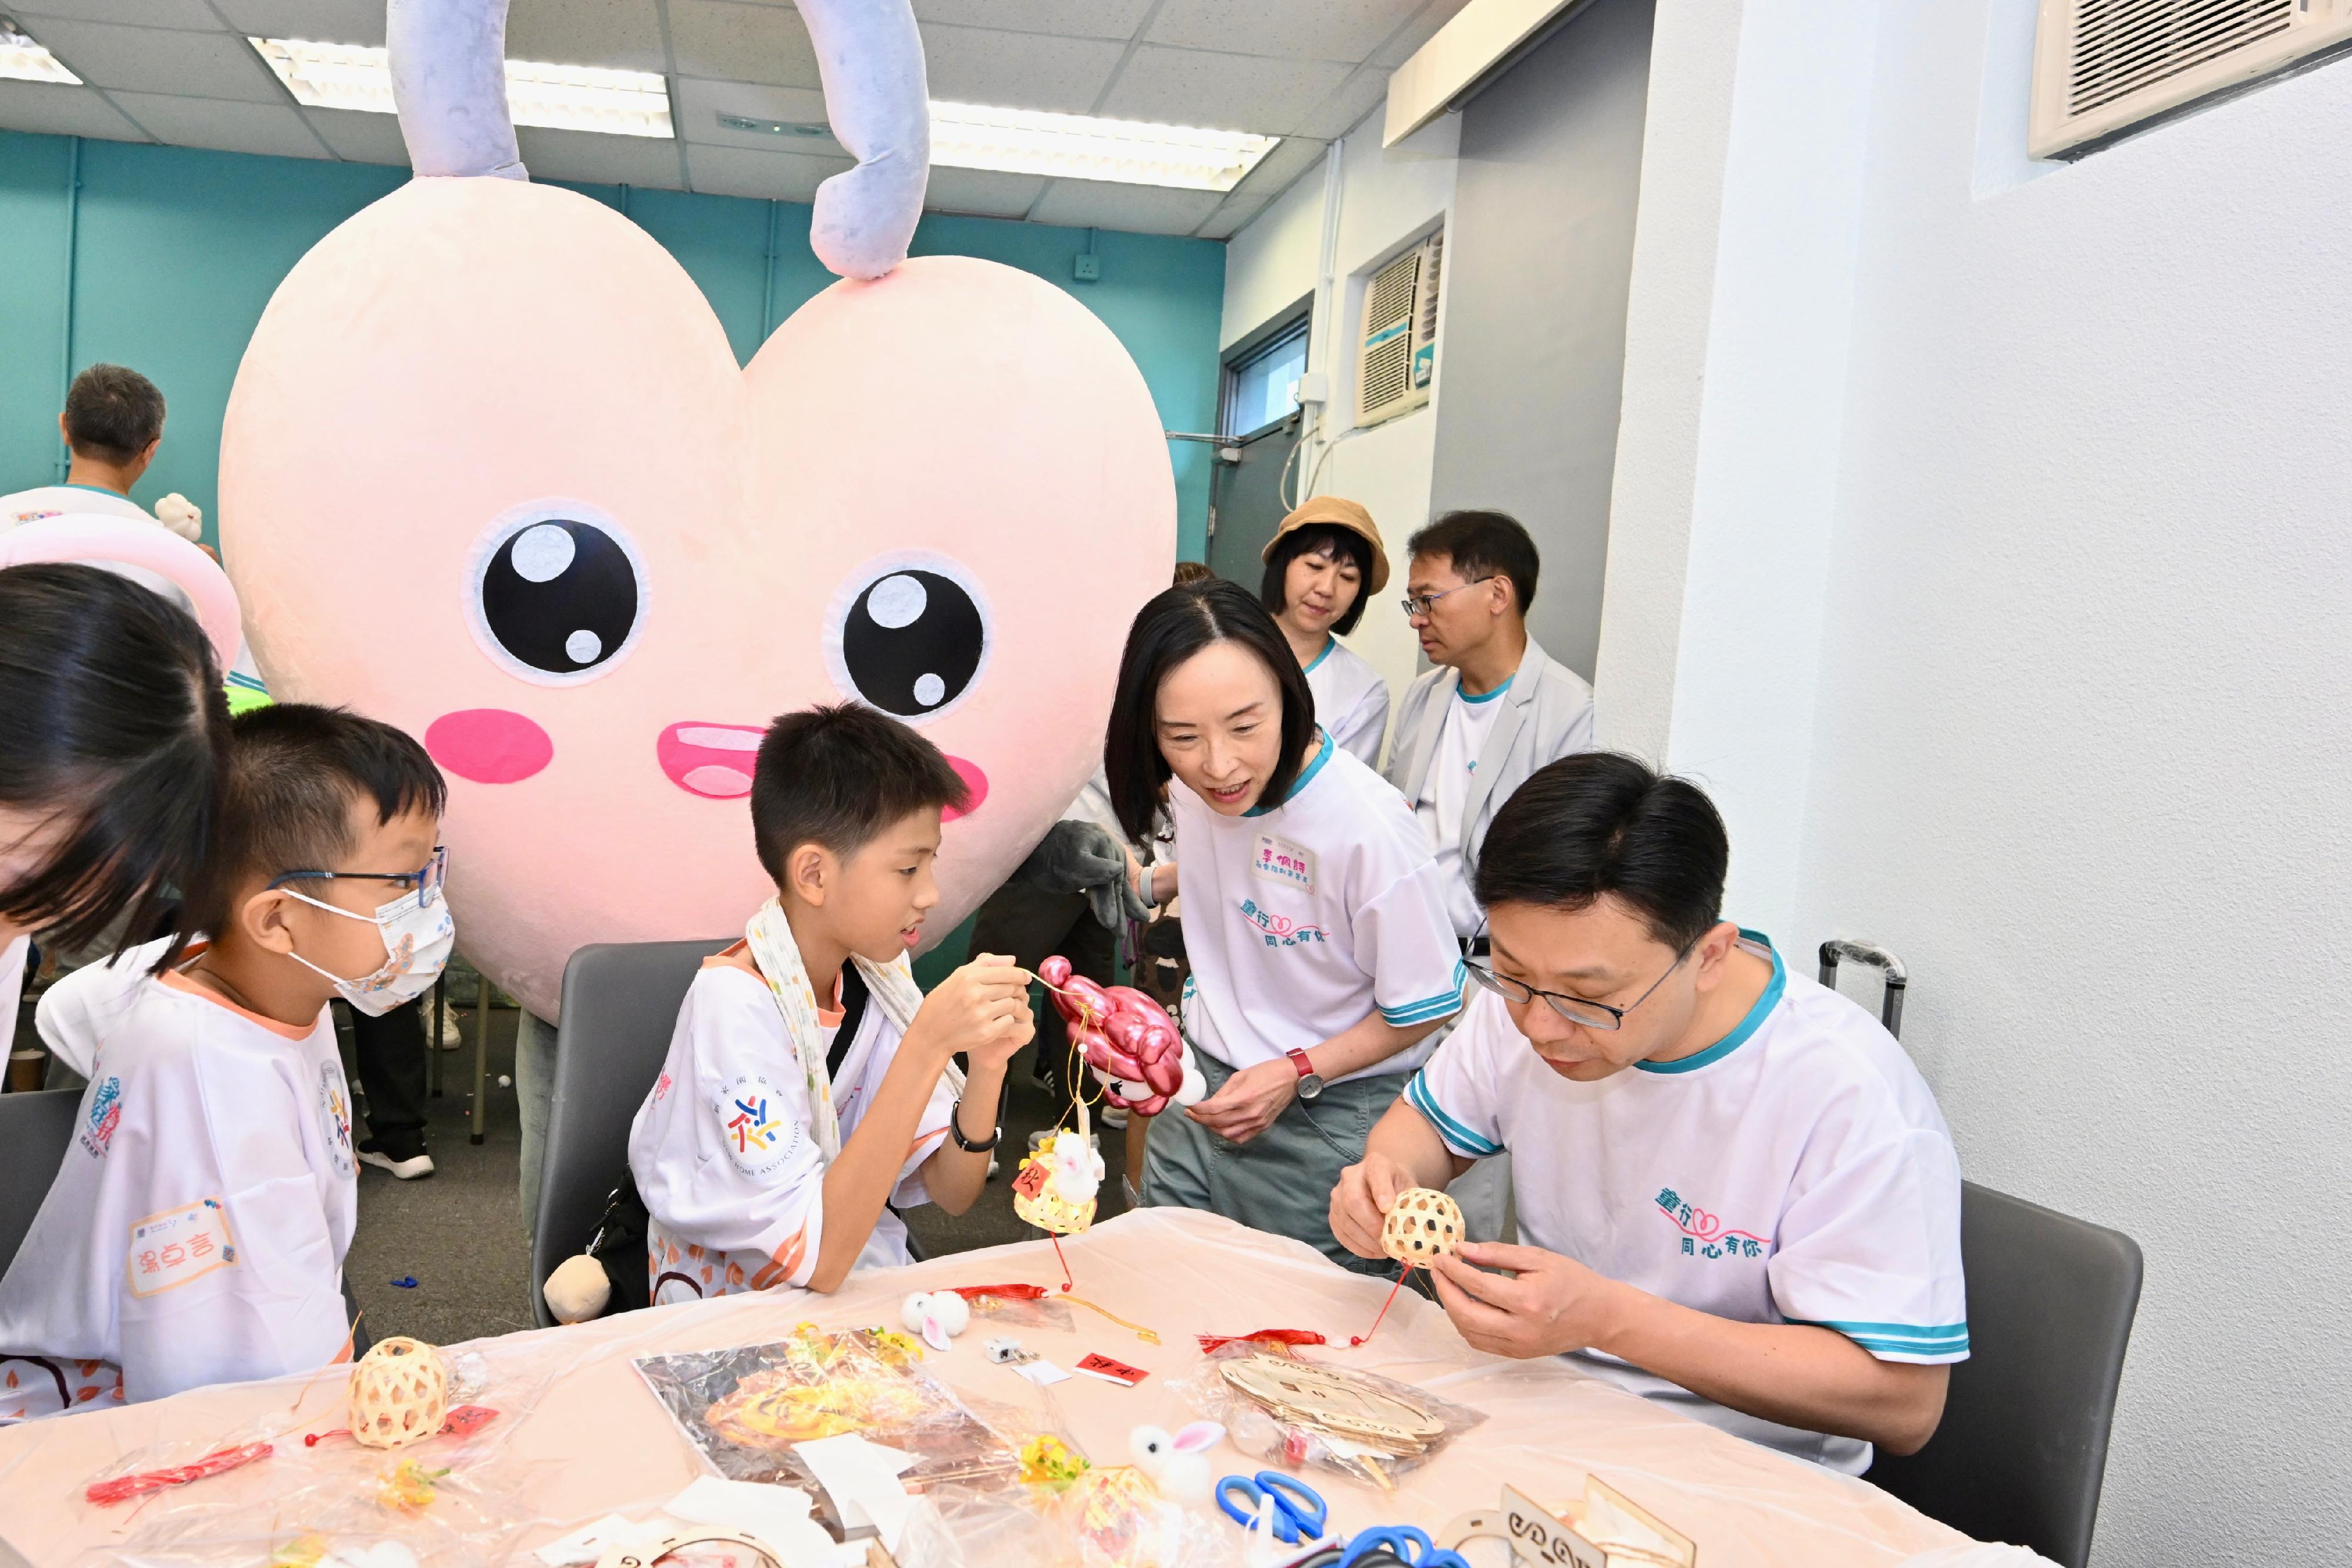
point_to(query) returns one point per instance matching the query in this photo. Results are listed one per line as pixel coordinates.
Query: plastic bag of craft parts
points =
(1069, 1513)
(1278, 1405)
(296, 1488)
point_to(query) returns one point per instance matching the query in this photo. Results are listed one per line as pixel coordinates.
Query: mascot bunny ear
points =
(449, 84)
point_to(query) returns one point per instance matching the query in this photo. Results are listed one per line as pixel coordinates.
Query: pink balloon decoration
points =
(1123, 1033)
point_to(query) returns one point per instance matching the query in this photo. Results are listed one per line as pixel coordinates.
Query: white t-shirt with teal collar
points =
(1351, 701)
(1445, 795)
(1796, 1171)
(1302, 918)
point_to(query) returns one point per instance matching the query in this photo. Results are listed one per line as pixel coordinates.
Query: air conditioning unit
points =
(1397, 358)
(2103, 67)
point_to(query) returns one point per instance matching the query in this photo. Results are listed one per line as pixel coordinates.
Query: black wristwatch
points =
(955, 1131)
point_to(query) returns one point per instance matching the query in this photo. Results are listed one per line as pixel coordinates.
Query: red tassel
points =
(1212, 1342)
(121, 1489)
(1069, 1280)
(1369, 1332)
(1009, 1292)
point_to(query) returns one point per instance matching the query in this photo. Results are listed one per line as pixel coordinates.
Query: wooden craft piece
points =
(1056, 1189)
(645, 1554)
(1332, 1400)
(1611, 1533)
(1422, 1223)
(400, 1393)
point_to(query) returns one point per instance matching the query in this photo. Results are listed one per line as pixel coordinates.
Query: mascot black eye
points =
(556, 594)
(908, 634)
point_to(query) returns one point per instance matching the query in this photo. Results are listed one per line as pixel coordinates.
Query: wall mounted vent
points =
(2104, 66)
(1397, 361)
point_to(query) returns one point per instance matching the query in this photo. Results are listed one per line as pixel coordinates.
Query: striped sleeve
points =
(1456, 1091)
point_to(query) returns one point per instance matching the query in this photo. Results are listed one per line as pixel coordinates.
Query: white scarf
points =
(778, 956)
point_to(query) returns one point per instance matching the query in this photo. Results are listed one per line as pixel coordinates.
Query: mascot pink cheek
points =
(491, 472)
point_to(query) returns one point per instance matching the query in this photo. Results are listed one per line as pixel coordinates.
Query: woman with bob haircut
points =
(113, 746)
(1322, 566)
(1313, 914)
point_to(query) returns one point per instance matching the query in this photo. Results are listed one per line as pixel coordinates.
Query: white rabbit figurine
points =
(1179, 1461)
(937, 1315)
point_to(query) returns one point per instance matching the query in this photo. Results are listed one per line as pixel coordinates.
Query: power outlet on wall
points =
(1089, 269)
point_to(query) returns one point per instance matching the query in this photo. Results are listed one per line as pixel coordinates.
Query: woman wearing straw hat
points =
(1322, 566)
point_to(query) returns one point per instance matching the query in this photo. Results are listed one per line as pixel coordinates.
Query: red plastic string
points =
(1213, 1342)
(1369, 1332)
(122, 1489)
(464, 1421)
(1010, 1292)
(1069, 1280)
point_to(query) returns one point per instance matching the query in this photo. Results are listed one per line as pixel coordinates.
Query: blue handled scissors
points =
(1299, 1512)
(1403, 1543)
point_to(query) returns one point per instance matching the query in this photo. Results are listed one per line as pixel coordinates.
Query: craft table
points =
(593, 1441)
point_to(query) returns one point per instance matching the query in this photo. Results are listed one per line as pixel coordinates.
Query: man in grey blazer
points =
(1496, 708)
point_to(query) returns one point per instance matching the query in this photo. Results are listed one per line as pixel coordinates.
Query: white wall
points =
(1384, 198)
(2076, 738)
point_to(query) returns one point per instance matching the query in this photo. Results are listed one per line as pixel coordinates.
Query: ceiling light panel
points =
(1082, 147)
(21, 59)
(557, 98)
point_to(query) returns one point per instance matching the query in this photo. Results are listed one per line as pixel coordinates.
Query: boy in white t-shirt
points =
(791, 1117)
(196, 1233)
(1737, 1194)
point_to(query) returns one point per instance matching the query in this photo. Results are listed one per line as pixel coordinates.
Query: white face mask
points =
(417, 937)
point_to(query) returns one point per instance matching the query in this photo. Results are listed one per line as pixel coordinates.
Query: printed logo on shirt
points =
(760, 1138)
(1705, 1235)
(1280, 930)
(335, 1118)
(170, 1248)
(1284, 863)
(105, 1115)
(661, 1088)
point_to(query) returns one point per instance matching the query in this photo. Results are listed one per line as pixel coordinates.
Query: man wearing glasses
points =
(1496, 708)
(1738, 1195)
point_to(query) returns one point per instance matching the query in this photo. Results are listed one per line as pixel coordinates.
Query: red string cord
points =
(1369, 1332)
(1069, 1280)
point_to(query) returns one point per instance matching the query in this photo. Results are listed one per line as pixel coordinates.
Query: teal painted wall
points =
(175, 251)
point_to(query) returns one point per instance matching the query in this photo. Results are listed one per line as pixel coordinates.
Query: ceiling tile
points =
(1228, 220)
(727, 42)
(778, 176)
(192, 16)
(1355, 98)
(359, 138)
(621, 35)
(320, 21)
(588, 159)
(223, 124)
(1294, 30)
(1417, 32)
(1224, 92)
(56, 109)
(983, 191)
(1139, 209)
(700, 103)
(146, 59)
(1291, 157)
(1018, 70)
(1071, 18)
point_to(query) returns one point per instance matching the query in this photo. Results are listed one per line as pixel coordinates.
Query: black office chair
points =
(2023, 1444)
(620, 1008)
(35, 1130)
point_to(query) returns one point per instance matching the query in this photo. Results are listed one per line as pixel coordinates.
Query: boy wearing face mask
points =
(196, 1233)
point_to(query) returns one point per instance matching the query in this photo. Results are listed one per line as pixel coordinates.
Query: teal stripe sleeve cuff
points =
(1459, 1138)
(1442, 1005)
(1900, 1339)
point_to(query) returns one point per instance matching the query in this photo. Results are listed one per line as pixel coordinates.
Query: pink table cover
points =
(591, 1440)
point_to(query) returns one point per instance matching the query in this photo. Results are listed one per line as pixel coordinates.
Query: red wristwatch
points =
(1311, 1083)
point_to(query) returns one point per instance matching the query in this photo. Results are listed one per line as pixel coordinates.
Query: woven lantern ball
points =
(400, 1393)
(1422, 1223)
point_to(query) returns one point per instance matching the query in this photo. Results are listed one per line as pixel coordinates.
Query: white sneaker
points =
(1114, 1116)
(453, 1034)
(409, 1169)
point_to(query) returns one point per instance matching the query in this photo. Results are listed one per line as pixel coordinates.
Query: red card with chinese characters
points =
(1111, 1371)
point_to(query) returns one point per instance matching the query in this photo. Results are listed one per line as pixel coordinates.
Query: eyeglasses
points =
(427, 882)
(1575, 1010)
(1425, 604)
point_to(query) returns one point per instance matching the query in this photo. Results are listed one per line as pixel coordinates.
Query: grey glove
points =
(1079, 857)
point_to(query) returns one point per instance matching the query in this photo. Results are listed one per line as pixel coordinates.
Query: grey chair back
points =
(35, 1130)
(2022, 1449)
(620, 1008)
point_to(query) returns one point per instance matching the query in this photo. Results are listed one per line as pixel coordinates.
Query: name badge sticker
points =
(171, 1248)
(1277, 860)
